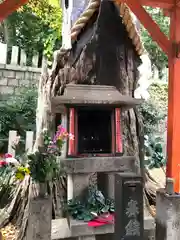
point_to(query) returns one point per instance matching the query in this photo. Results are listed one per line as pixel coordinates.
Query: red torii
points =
(171, 46)
(9, 6)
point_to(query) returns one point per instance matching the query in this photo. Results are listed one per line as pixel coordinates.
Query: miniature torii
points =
(171, 46)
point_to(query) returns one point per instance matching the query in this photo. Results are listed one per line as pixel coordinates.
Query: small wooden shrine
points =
(93, 116)
(92, 113)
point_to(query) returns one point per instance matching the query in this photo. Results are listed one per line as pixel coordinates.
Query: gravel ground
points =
(10, 232)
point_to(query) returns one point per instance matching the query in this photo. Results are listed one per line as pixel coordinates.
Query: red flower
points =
(7, 155)
(3, 163)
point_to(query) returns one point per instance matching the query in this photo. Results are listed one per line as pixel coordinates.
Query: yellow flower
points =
(21, 172)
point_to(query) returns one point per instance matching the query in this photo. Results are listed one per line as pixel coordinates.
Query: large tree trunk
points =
(103, 55)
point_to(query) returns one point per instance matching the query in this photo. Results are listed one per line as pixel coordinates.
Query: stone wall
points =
(15, 72)
(13, 78)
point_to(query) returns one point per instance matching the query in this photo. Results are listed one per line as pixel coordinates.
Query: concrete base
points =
(87, 238)
(60, 230)
(167, 216)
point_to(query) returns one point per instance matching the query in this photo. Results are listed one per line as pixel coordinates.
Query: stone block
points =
(80, 184)
(25, 83)
(105, 183)
(92, 237)
(99, 164)
(28, 75)
(16, 68)
(13, 82)
(6, 90)
(33, 82)
(3, 81)
(167, 216)
(36, 76)
(34, 70)
(9, 74)
(20, 75)
(17, 89)
(129, 207)
(108, 236)
(2, 66)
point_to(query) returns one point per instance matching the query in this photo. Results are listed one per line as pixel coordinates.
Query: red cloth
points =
(100, 221)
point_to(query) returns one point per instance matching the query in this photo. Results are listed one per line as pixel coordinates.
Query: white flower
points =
(71, 136)
(12, 160)
(45, 130)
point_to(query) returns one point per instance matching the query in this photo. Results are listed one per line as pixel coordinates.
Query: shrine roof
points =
(76, 94)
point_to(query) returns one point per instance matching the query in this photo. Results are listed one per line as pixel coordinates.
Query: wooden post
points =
(173, 130)
(71, 148)
(3, 55)
(29, 141)
(35, 60)
(23, 58)
(14, 55)
(63, 156)
(118, 131)
(12, 138)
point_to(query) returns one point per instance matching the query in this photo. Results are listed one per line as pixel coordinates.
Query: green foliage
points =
(50, 14)
(154, 153)
(6, 186)
(36, 27)
(43, 164)
(154, 112)
(94, 202)
(151, 116)
(157, 56)
(154, 109)
(43, 167)
(159, 94)
(18, 113)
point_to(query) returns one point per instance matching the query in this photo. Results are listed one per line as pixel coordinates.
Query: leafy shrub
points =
(94, 202)
(6, 186)
(18, 113)
(154, 112)
(154, 153)
(159, 94)
(151, 116)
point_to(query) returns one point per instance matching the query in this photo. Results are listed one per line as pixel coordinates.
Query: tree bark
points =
(103, 55)
(40, 213)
